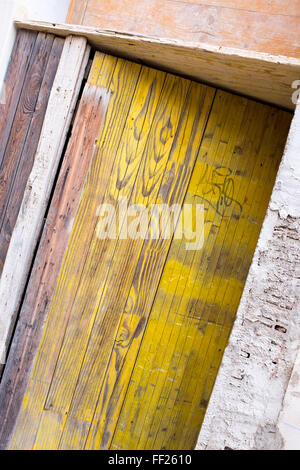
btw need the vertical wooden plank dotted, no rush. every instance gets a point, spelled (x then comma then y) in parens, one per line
(27, 229)
(85, 398)
(23, 117)
(14, 80)
(100, 76)
(137, 304)
(240, 243)
(120, 77)
(99, 283)
(122, 180)
(199, 292)
(222, 127)
(132, 345)
(19, 157)
(64, 205)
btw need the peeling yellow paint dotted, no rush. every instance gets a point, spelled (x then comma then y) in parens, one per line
(137, 328)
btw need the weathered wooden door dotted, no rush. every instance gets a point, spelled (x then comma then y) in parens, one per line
(135, 328)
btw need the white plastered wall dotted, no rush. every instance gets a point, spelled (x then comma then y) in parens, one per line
(43, 10)
(251, 406)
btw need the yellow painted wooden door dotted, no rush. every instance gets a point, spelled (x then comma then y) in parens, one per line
(136, 328)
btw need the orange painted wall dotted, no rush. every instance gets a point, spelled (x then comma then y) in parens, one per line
(271, 26)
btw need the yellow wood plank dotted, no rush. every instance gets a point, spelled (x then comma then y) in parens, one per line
(199, 292)
(83, 296)
(164, 119)
(165, 333)
(136, 329)
(141, 294)
(93, 277)
(167, 152)
(268, 157)
(97, 263)
(107, 73)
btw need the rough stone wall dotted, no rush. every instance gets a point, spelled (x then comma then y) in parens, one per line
(248, 395)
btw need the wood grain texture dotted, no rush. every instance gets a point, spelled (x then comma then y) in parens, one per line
(135, 329)
(27, 229)
(25, 133)
(145, 106)
(141, 285)
(127, 252)
(199, 291)
(70, 272)
(23, 117)
(258, 75)
(51, 250)
(14, 80)
(132, 256)
(271, 27)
